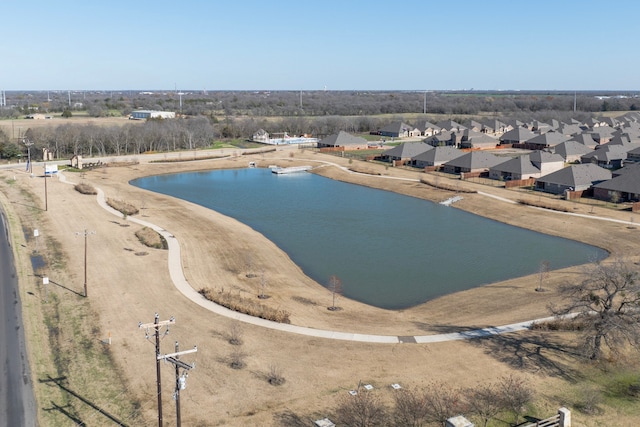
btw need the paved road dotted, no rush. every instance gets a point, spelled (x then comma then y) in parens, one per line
(17, 402)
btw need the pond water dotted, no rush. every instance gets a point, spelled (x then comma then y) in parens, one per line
(389, 250)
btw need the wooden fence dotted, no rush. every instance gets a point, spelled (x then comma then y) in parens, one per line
(520, 183)
(549, 422)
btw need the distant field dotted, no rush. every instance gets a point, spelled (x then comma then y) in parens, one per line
(16, 127)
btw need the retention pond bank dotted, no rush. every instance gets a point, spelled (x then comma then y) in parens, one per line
(389, 250)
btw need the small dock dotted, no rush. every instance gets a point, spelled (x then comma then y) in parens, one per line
(451, 200)
(289, 170)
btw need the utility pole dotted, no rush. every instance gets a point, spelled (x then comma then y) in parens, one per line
(156, 325)
(86, 234)
(28, 143)
(181, 380)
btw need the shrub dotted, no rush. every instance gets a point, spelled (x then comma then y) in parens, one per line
(125, 208)
(248, 306)
(85, 189)
(151, 238)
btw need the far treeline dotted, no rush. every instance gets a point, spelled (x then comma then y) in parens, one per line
(237, 115)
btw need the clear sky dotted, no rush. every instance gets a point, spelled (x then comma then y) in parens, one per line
(313, 45)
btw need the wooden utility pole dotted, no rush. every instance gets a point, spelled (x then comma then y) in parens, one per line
(156, 325)
(86, 234)
(181, 380)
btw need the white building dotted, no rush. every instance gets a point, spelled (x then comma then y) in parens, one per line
(149, 114)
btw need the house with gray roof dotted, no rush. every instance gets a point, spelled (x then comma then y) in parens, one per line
(585, 139)
(472, 162)
(450, 125)
(519, 135)
(571, 151)
(633, 155)
(624, 188)
(495, 127)
(427, 128)
(546, 140)
(399, 130)
(606, 156)
(343, 140)
(440, 139)
(547, 162)
(573, 178)
(436, 157)
(405, 151)
(516, 168)
(477, 140)
(602, 134)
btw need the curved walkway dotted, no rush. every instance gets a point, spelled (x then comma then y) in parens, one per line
(180, 282)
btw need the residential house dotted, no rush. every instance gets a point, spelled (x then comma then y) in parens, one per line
(440, 139)
(623, 188)
(519, 135)
(261, 135)
(633, 155)
(399, 130)
(476, 140)
(436, 157)
(606, 156)
(516, 168)
(495, 127)
(602, 134)
(344, 140)
(571, 151)
(585, 139)
(573, 178)
(472, 162)
(547, 162)
(405, 151)
(450, 125)
(545, 141)
(428, 128)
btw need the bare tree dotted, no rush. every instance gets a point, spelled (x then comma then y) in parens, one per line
(364, 409)
(410, 408)
(335, 286)
(484, 401)
(515, 394)
(442, 403)
(607, 303)
(543, 273)
(263, 286)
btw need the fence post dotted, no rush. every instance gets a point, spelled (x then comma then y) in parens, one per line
(565, 417)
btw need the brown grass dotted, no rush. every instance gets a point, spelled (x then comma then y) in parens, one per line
(151, 238)
(543, 204)
(85, 189)
(123, 207)
(244, 305)
(448, 187)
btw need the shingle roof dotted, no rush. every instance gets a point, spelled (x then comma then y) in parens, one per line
(439, 155)
(577, 175)
(628, 182)
(571, 148)
(476, 160)
(518, 134)
(342, 139)
(545, 157)
(520, 165)
(549, 139)
(407, 150)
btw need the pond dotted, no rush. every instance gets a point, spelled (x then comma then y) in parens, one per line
(389, 250)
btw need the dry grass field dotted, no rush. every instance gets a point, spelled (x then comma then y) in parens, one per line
(103, 361)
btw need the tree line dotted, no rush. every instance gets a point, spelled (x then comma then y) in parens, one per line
(315, 103)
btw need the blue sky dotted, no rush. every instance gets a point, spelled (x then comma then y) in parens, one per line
(312, 45)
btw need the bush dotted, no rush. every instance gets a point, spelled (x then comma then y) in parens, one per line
(151, 238)
(85, 189)
(248, 306)
(125, 208)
